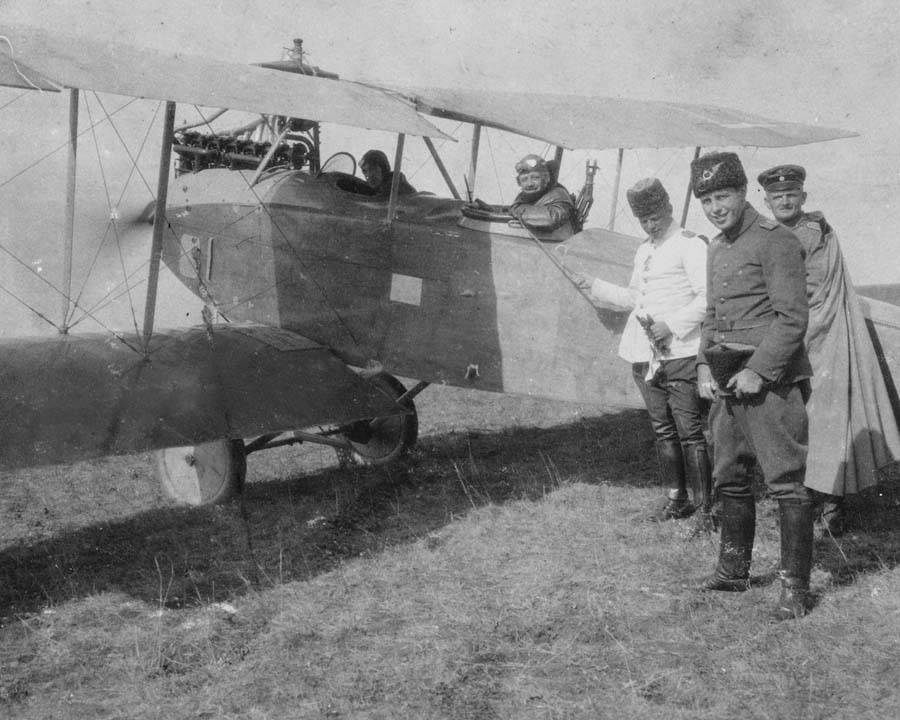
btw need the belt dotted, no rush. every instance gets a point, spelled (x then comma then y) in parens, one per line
(729, 325)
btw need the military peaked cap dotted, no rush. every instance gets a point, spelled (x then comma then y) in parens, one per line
(782, 177)
(716, 170)
(647, 197)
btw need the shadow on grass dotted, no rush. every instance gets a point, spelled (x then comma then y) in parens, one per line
(305, 524)
(295, 528)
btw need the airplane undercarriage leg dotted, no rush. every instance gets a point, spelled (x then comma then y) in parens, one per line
(214, 472)
(202, 474)
(379, 441)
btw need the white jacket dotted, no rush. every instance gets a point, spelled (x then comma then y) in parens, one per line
(668, 284)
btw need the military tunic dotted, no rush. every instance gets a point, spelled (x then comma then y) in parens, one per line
(756, 296)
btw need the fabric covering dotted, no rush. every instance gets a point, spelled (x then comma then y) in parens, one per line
(853, 428)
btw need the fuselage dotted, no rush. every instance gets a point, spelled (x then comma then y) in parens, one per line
(433, 293)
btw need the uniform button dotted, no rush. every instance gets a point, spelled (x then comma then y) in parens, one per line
(721, 299)
(725, 284)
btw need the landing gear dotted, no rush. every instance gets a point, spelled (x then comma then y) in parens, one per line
(379, 441)
(214, 472)
(202, 474)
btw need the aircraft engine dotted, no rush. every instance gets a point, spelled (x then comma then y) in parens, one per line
(196, 151)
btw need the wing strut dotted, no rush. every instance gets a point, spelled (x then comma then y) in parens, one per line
(687, 195)
(473, 163)
(440, 166)
(615, 194)
(69, 227)
(395, 180)
(159, 221)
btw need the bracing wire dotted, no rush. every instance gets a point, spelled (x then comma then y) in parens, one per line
(62, 146)
(112, 221)
(124, 188)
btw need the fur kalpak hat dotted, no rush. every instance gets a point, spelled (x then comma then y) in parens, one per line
(647, 196)
(716, 170)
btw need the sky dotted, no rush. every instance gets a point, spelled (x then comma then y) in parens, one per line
(811, 61)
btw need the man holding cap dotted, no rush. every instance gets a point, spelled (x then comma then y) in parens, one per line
(853, 431)
(667, 299)
(753, 365)
(542, 204)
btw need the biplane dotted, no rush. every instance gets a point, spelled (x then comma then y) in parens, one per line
(317, 295)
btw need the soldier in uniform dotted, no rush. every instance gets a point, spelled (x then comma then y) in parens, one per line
(542, 204)
(853, 431)
(753, 365)
(667, 299)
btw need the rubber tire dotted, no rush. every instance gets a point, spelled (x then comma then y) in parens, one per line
(206, 474)
(396, 434)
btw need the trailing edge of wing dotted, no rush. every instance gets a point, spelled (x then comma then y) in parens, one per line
(19, 75)
(80, 62)
(591, 122)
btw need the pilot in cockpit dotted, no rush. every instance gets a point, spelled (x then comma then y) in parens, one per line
(377, 171)
(542, 203)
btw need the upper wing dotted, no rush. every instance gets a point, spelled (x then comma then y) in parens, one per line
(591, 122)
(16, 74)
(80, 62)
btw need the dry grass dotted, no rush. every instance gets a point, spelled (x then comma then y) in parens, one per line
(500, 573)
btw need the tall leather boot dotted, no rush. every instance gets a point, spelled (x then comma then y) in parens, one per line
(671, 472)
(797, 518)
(738, 520)
(699, 478)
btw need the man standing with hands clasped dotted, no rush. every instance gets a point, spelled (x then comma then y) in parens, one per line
(753, 365)
(667, 299)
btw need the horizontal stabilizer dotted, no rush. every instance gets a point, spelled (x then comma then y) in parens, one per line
(76, 397)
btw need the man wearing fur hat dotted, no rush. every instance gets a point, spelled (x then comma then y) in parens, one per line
(753, 365)
(850, 398)
(667, 299)
(542, 204)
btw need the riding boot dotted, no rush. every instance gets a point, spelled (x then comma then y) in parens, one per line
(796, 557)
(699, 477)
(671, 471)
(738, 521)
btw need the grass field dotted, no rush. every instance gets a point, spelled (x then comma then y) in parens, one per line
(504, 571)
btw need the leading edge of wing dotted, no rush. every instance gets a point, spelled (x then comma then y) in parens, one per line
(81, 62)
(593, 122)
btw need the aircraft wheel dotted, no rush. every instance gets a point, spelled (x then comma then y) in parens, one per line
(202, 474)
(379, 441)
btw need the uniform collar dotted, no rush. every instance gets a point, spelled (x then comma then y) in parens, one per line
(748, 218)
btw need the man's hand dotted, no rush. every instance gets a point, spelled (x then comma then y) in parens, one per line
(706, 386)
(660, 333)
(746, 383)
(581, 280)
